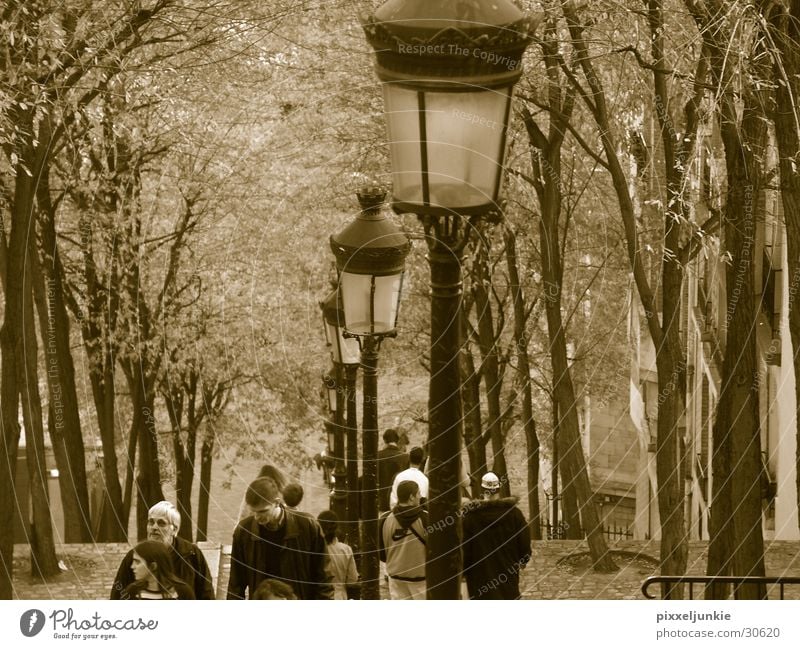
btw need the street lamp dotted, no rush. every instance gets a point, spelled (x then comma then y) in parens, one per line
(448, 70)
(346, 358)
(370, 257)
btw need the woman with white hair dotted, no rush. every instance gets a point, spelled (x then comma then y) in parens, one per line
(188, 562)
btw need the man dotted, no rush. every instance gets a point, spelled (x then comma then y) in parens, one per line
(391, 460)
(416, 459)
(401, 543)
(497, 543)
(277, 543)
(188, 562)
(292, 495)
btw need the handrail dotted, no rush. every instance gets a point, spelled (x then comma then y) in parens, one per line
(704, 579)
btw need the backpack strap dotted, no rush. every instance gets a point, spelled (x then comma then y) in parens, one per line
(417, 534)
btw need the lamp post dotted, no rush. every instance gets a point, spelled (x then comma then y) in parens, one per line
(345, 356)
(370, 257)
(448, 71)
(334, 429)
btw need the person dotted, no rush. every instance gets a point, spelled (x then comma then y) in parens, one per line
(292, 495)
(266, 471)
(341, 565)
(277, 543)
(274, 589)
(391, 460)
(401, 544)
(416, 458)
(153, 577)
(188, 562)
(497, 543)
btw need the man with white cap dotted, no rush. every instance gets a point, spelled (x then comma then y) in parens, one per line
(497, 543)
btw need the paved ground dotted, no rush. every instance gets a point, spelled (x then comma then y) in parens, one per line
(559, 570)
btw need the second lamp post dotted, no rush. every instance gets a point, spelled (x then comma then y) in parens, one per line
(370, 257)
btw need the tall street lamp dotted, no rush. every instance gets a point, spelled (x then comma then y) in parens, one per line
(370, 257)
(345, 356)
(448, 71)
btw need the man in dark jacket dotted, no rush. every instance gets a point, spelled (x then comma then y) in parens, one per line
(188, 562)
(277, 543)
(497, 543)
(391, 461)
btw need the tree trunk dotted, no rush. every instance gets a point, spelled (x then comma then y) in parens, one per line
(174, 399)
(567, 525)
(143, 425)
(490, 369)
(44, 562)
(9, 407)
(736, 542)
(63, 418)
(20, 357)
(206, 459)
(546, 161)
(13, 353)
(473, 430)
(97, 328)
(524, 385)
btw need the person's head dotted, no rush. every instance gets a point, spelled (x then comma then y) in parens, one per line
(152, 563)
(390, 436)
(292, 494)
(269, 471)
(274, 589)
(416, 457)
(408, 493)
(490, 486)
(264, 500)
(163, 521)
(328, 521)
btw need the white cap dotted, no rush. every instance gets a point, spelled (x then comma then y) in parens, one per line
(490, 481)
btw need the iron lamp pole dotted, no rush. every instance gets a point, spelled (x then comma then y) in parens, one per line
(346, 358)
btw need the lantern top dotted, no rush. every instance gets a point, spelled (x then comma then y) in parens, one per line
(371, 244)
(470, 41)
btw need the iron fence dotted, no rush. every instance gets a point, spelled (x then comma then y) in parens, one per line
(704, 580)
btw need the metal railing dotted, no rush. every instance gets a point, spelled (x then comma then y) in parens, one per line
(706, 580)
(559, 532)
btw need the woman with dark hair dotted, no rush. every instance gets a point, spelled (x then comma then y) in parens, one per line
(341, 565)
(153, 575)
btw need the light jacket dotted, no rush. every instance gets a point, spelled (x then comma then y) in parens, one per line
(401, 549)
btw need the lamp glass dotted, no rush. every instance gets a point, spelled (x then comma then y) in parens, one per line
(330, 388)
(447, 145)
(371, 302)
(330, 429)
(343, 350)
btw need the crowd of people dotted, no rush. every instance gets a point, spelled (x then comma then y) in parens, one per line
(281, 552)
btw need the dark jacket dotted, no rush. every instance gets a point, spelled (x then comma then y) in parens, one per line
(391, 461)
(188, 564)
(497, 545)
(302, 558)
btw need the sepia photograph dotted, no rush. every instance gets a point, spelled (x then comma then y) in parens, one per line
(422, 300)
